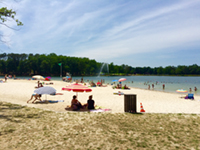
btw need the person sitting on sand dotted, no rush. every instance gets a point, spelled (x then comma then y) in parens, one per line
(188, 96)
(36, 96)
(75, 104)
(126, 87)
(90, 103)
(118, 87)
(39, 85)
(92, 84)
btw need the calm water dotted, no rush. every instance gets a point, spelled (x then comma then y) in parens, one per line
(172, 83)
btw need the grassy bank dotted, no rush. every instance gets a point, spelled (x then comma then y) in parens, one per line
(23, 127)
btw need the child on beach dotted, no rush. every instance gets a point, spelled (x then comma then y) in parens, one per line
(36, 96)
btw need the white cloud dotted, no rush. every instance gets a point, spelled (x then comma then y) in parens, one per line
(103, 30)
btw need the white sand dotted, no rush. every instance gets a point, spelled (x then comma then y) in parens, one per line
(19, 91)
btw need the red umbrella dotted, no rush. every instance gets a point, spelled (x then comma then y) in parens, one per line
(122, 79)
(98, 83)
(77, 88)
(46, 79)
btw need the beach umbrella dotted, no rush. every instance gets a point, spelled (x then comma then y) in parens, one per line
(122, 79)
(77, 88)
(181, 91)
(39, 77)
(114, 80)
(98, 83)
(47, 79)
(45, 90)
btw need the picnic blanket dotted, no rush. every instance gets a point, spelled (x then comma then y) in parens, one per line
(97, 109)
(50, 101)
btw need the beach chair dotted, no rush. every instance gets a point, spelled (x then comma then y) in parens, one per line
(190, 96)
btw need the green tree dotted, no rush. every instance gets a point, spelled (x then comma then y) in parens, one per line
(5, 15)
(160, 70)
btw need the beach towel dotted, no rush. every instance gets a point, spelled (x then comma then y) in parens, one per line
(190, 96)
(100, 110)
(97, 109)
(51, 101)
(118, 93)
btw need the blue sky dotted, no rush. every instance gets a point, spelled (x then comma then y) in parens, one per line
(133, 32)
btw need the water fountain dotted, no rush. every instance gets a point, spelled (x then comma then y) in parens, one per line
(103, 67)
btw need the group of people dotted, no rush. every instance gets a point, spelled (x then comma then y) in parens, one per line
(76, 105)
(149, 87)
(119, 86)
(195, 89)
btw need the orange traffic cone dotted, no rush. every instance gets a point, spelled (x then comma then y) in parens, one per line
(141, 108)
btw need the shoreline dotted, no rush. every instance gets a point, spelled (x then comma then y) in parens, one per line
(170, 86)
(19, 91)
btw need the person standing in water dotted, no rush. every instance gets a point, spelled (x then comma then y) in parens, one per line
(163, 86)
(195, 88)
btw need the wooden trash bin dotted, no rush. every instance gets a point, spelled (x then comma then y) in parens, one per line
(130, 103)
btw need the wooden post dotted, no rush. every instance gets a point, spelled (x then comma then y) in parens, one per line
(130, 103)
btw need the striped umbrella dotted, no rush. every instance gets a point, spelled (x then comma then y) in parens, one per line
(122, 79)
(77, 88)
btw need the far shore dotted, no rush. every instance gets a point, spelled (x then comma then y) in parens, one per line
(2, 76)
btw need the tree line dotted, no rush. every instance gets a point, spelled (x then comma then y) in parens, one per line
(53, 65)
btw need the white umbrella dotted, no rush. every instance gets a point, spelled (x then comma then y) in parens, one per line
(45, 90)
(39, 77)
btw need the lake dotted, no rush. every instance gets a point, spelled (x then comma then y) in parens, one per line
(172, 83)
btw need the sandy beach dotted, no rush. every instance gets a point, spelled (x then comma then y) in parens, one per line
(19, 91)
